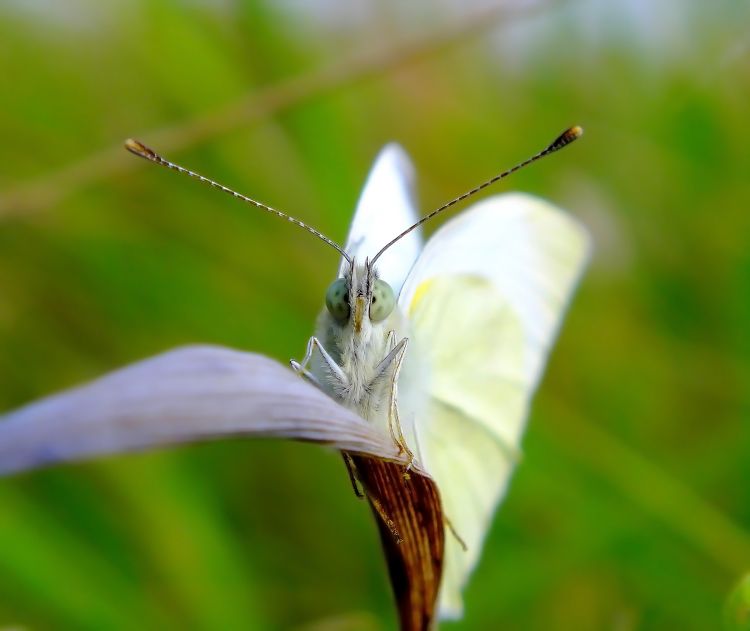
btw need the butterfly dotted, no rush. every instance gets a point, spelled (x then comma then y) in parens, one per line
(443, 343)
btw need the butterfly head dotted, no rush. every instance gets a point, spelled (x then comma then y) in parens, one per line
(360, 298)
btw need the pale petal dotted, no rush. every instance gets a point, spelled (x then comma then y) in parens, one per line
(190, 394)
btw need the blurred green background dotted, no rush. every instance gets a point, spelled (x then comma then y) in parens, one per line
(631, 507)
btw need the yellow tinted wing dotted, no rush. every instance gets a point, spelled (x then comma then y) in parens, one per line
(485, 299)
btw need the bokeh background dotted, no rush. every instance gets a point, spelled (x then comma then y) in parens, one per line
(631, 507)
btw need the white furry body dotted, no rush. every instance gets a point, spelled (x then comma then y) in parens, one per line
(367, 358)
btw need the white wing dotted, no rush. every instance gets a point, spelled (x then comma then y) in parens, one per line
(384, 210)
(485, 299)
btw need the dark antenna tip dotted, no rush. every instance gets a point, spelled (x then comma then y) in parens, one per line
(568, 136)
(563, 140)
(139, 149)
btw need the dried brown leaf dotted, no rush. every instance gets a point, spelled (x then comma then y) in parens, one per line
(409, 515)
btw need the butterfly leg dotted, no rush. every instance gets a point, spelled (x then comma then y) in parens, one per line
(393, 361)
(455, 534)
(301, 367)
(383, 514)
(390, 341)
(390, 344)
(393, 358)
(304, 372)
(351, 468)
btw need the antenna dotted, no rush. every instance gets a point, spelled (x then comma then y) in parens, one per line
(564, 139)
(142, 151)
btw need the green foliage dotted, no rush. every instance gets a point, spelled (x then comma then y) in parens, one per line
(737, 610)
(631, 506)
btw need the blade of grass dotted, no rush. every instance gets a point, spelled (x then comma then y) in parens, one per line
(178, 529)
(58, 576)
(653, 489)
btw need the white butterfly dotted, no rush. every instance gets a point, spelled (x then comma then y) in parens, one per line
(442, 344)
(453, 361)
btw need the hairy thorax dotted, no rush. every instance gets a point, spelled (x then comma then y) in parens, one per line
(359, 355)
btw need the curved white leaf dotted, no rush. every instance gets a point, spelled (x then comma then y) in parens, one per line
(189, 394)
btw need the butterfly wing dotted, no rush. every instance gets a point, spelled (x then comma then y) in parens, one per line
(385, 209)
(484, 299)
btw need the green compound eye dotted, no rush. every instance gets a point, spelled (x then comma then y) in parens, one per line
(382, 301)
(337, 300)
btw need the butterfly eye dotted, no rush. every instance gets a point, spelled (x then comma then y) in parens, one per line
(337, 300)
(382, 301)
